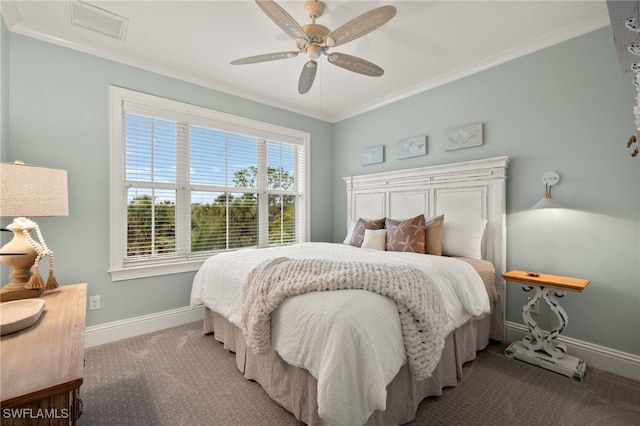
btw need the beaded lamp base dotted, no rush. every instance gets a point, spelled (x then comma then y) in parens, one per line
(19, 255)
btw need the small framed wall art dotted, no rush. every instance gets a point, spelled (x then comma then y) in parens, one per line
(412, 147)
(463, 137)
(372, 155)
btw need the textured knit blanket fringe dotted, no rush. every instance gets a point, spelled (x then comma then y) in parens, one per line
(419, 302)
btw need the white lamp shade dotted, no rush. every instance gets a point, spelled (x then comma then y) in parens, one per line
(27, 190)
(546, 203)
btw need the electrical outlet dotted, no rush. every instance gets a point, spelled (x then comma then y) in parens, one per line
(94, 302)
(535, 309)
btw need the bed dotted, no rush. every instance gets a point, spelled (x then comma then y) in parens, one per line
(342, 357)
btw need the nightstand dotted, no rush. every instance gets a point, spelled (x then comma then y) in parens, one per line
(43, 365)
(540, 347)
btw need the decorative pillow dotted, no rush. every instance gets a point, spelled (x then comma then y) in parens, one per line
(362, 225)
(406, 235)
(375, 239)
(347, 239)
(463, 238)
(433, 243)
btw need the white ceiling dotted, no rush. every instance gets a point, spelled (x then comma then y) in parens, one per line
(428, 43)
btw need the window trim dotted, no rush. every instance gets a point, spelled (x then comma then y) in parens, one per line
(196, 115)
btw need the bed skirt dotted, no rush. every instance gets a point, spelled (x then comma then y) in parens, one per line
(294, 388)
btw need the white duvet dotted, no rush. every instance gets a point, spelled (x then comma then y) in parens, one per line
(349, 340)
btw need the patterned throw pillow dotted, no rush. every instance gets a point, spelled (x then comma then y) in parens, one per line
(361, 225)
(406, 235)
(434, 235)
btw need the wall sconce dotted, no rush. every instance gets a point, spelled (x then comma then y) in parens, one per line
(548, 179)
(27, 190)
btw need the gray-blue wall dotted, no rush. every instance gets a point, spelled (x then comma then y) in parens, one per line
(567, 109)
(4, 89)
(4, 116)
(59, 117)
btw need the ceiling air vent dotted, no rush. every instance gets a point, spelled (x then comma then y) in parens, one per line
(99, 20)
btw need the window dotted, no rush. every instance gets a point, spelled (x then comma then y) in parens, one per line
(188, 182)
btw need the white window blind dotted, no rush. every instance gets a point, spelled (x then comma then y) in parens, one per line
(188, 182)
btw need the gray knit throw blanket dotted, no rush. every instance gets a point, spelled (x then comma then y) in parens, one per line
(419, 302)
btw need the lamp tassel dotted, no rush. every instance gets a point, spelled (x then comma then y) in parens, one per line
(35, 281)
(52, 283)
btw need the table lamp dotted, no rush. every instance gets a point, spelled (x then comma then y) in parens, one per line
(27, 190)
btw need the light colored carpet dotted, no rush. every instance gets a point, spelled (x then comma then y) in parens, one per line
(181, 377)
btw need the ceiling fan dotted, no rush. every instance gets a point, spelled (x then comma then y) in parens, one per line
(315, 39)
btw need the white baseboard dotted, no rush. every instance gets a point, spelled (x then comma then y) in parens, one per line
(600, 357)
(607, 359)
(110, 332)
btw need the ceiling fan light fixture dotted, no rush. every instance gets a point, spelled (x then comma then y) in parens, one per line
(314, 51)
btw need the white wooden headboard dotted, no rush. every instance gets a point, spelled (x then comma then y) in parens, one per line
(461, 191)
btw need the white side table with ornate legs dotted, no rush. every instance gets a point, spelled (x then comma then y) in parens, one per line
(540, 347)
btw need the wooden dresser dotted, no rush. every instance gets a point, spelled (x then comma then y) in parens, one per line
(42, 367)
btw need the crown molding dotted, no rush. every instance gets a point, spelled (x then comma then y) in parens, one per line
(567, 33)
(15, 24)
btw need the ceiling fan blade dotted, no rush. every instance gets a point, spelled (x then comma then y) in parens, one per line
(360, 26)
(264, 58)
(355, 64)
(282, 19)
(307, 76)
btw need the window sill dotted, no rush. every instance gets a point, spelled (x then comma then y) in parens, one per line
(144, 271)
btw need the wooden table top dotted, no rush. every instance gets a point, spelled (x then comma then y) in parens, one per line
(559, 281)
(48, 357)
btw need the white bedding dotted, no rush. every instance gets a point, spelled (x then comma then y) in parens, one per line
(349, 340)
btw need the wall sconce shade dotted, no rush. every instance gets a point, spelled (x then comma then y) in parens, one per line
(545, 203)
(548, 179)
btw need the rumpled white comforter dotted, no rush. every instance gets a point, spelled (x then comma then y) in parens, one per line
(349, 340)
